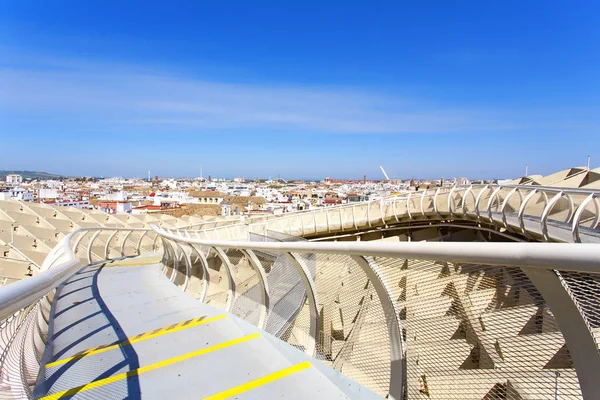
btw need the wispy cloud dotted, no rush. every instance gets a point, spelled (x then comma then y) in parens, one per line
(107, 95)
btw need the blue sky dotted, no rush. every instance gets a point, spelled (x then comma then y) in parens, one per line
(301, 89)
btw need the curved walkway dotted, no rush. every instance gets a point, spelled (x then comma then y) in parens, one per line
(121, 329)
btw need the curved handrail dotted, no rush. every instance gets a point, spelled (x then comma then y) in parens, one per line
(470, 194)
(542, 257)
(23, 293)
(565, 256)
(532, 258)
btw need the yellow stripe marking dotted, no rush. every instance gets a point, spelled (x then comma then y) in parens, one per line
(137, 338)
(147, 368)
(259, 382)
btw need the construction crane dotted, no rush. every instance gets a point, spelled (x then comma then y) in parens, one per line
(387, 178)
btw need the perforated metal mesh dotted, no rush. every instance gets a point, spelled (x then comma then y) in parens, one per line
(477, 332)
(469, 331)
(353, 335)
(20, 351)
(585, 290)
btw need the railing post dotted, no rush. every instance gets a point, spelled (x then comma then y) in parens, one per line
(154, 242)
(491, 201)
(205, 274)
(505, 204)
(579, 213)
(580, 342)
(546, 214)
(478, 199)
(464, 204)
(108, 244)
(231, 293)
(188, 267)
(123, 244)
(76, 245)
(169, 248)
(139, 243)
(450, 201)
(394, 326)
(90, 245)
(522, 212)
(265, 306)
(311, 294)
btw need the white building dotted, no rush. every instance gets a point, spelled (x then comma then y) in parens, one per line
(14, 179)
(85, 204)
(17, 194)
(226, 208)
(48, 194)
(117, 196)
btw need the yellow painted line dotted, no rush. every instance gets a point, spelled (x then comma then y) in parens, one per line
(234, 391)
(147, 368)
(138, 338)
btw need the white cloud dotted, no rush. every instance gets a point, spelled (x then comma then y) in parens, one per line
(101, 95)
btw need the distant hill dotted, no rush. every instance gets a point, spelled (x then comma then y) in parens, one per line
(30, 175)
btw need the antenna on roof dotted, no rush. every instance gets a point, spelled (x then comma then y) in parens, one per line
(526, 170)
(588, 162)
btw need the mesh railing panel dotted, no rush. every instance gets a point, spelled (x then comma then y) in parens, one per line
(477, 332)
(585, 290)
(353, 336)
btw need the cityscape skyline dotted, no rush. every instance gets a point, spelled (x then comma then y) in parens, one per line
(376, 175)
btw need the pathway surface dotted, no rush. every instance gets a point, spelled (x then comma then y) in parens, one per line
(123, 330)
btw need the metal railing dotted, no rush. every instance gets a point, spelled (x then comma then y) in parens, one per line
(414, 320)
(407, 320)
(25, 305)
(534, 212)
